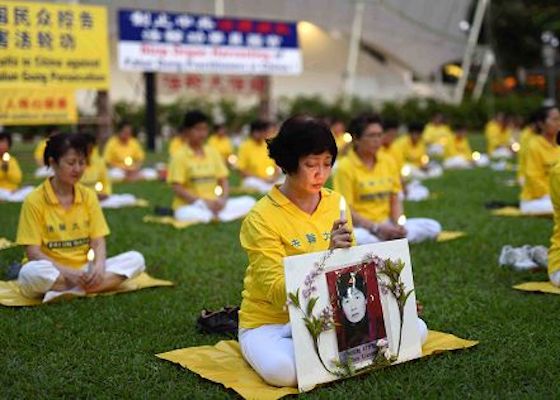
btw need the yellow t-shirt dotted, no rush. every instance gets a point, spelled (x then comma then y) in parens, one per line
(440, 134)
(554, 250)
(10, 179)
(540, 158)
(368, 190)
(496, 136)
(526, 135)
(276, 228)
(116, 151)
(175, 144)
(458, 147)
(197, 174)
(254, 160)
(63, 234)
(95, 175)
(409, 153)
(222, 144)
(394, 153)
(40, 151)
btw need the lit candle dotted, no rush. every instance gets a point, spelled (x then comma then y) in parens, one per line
(218, 190)
(515, 147)
(425, 159)
(405, 170)
(128, 161)
(476, 155)
(90, 258)
(6, 157)
(98, 187)
(342, 206)
(347, 137)
(270, 170)
(402, 220)
(232, 159)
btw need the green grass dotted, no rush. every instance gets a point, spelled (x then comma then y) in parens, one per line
(104, 347)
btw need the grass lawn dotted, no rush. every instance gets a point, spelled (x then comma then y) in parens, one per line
(104, 347)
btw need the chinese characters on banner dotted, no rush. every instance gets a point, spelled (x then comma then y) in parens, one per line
(155, 41)
(54, 45)
(228, 84)
(37, 107)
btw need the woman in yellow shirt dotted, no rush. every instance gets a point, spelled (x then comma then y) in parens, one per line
(10, 173)
(299, 216)
(370, 182)
(542, 154)
(60, 221)
(259, 171)
(412, 151)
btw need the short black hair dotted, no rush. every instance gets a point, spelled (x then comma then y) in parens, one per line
(415, 127)
(192, 118)
(89, 138)
(359, 124)
(390, 124)
(260, 125)
(300, 136)
(123, 123)
(6, 136)
(459, 126)
(541, 115)
(59, 143)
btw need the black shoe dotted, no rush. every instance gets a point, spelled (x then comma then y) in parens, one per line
(13, 271)
(163, 211)
(494, 204)
(223, 321)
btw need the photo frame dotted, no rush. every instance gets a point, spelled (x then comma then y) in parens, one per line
(351, 311)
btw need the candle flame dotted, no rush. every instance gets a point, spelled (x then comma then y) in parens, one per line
(347, 137)
(476, 155)
(515, 147)
(270, 171)
(90, 255)
(128, 161)
(425, 159)
(6, 157)
(218, 190)
(402, 220)
(98, 186)
(232, 159)
(406, 170)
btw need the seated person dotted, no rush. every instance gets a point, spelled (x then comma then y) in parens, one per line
(458, 153)
(124, 156)
(43, 170)
(412, 150)
(371, 184)
(542, 154)
(221, 142)
(554, 250)
(298, 216)
(59, 222)
(413, 190)
(258, 170)
(96, 177)
(10, 173)
(436, 134)
(498, 137)
(199, 178)
(527, 133)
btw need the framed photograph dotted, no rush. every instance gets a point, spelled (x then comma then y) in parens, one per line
(351, 310)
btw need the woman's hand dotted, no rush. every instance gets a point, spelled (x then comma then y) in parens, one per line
(341, 236)
(73, 277)
(94, 278)
(216, 205)
(389, 231)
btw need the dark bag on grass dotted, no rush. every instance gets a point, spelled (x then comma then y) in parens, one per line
(222, 321)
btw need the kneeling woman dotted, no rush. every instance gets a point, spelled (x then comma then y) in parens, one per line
(370, 182)
(60, 221)
(296, 217)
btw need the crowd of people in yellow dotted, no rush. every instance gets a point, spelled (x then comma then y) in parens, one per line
(373, 168)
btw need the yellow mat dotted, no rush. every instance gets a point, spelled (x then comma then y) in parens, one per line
(6, 244)
(514, 212)
(224, 364)
(446, 236)
(154, 219)
(10, 295)
(542, 287)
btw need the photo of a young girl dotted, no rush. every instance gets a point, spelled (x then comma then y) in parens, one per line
(354, 296)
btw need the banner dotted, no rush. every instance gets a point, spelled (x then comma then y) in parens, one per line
(54, 45)
(37, 107)
(154, 41)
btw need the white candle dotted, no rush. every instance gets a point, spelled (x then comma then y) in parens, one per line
(6, 157)
(402, 220)
(98, 186)
(90, 258)
(218, 190)
(270, 171)
(476, 155)
(342, 206)
(128, 161)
